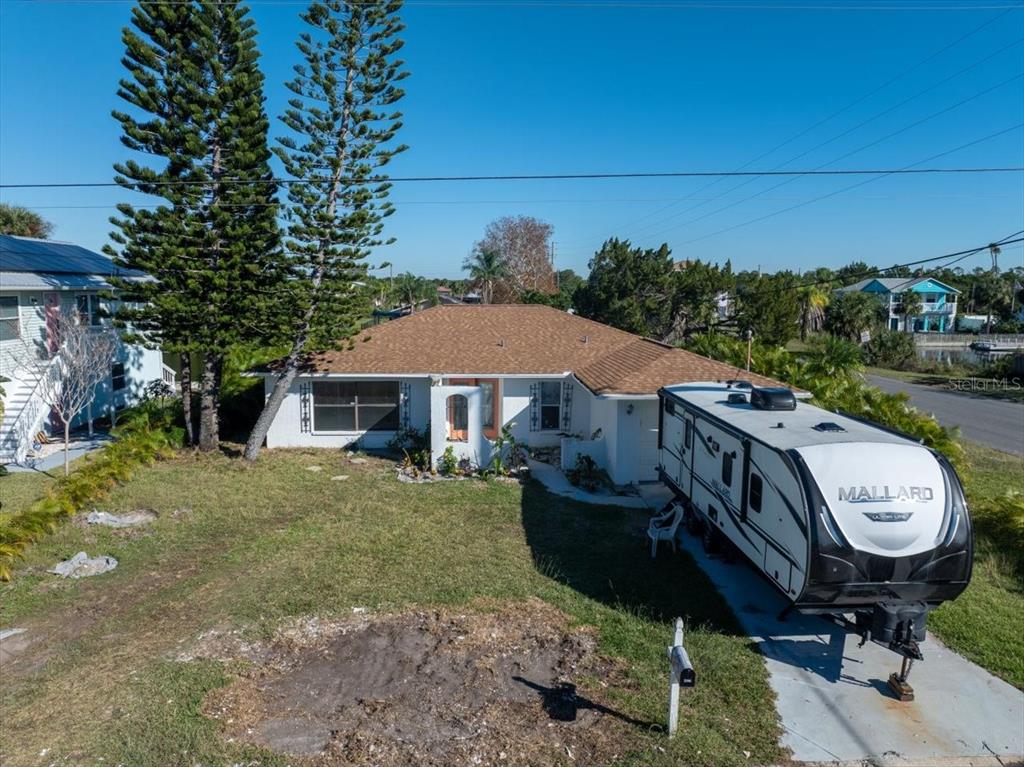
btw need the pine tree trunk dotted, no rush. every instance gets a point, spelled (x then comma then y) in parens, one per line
(209, 402)
(287, 376)
(186, 398)
(269, 413)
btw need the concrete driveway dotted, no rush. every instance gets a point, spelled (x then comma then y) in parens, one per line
(992, 422)
(833, 700)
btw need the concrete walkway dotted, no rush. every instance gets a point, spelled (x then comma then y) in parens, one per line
(992, 422)
(55, 460)
(649, 496)
(833, 700)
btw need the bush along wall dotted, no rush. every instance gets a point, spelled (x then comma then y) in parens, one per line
(143, 435)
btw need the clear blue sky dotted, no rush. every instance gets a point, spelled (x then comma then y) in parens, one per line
(502, 89)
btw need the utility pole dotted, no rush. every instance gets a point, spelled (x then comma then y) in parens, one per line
(552, 257)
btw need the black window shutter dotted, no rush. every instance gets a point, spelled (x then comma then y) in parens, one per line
(305, 421)
(404, 395)
(534, 406)
(566, 406)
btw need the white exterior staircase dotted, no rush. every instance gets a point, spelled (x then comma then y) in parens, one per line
(24, 412)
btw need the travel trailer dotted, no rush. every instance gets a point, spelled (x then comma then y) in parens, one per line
(844, 517)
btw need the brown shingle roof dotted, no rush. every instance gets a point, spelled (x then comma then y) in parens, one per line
(522, 339)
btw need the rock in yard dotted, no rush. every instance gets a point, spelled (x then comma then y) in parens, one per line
(339, 478)
(314, 468)
(82, 566)
(357, 459)
(131, 519)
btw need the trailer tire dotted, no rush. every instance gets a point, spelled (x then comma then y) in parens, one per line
(692, 521)
(710, 538)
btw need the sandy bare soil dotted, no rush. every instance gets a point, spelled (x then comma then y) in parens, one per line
(516, 686)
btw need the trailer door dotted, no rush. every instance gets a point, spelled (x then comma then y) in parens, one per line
(689, 442)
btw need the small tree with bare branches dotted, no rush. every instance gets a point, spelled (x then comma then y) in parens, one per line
(522, 244)
(82, 358)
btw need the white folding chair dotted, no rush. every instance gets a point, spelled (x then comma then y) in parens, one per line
(663, 527)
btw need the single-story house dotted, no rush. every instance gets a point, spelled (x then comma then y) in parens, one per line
(938, 302)
(39, 279)
(465, 371)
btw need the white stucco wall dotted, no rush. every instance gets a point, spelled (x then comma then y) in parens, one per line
(477, 449)
(286, 431)
(515, 409)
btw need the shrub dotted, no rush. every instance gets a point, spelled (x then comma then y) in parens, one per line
(509, 455)
(143, 435)
(587, 474)
(890, 349)
(414, 444)
(1001, 521)
(448, 463)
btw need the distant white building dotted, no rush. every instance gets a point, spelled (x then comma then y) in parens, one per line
(39, 279)
(938, 302)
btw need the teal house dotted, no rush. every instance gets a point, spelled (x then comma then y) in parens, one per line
(938, 302)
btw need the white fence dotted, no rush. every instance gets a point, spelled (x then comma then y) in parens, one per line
(966, 339)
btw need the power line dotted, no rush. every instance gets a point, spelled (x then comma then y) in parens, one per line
(544, 201)
(758, 219)
(850, 153)
(524, 177)
(828, 118)
(933, 5)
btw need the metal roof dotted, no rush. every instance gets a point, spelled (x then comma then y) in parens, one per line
(36, 281)
(895, 284)
(25, 254)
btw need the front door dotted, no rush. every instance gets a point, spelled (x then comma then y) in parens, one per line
(51, 304)
(648, 442)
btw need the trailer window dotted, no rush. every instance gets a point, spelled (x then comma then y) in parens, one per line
(688, 437)
(727, 469)
(756, 490)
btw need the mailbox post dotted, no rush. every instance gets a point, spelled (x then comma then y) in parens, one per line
(682, 675)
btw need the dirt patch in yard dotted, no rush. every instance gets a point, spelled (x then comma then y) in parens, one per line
(515, 686)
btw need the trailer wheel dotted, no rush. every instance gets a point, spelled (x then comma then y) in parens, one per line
(692, 521)
(710, 538)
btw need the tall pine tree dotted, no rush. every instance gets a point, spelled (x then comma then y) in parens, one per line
(343, 124)
(211, 248)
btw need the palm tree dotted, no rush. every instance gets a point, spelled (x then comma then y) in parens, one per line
(813, 301)
(909, 308)
(410, 289)
(486, 267)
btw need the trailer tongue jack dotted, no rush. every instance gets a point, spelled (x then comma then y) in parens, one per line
(898, 681)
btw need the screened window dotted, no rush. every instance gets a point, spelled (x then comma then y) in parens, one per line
(756, 491)
(550, 405)
(117, 377)
(355, 405)
(727, 469)
(88, 309)
(10, 319)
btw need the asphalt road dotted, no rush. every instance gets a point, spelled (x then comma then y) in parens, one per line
(992, 422)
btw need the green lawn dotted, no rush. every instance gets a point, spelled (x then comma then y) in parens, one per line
(246, 547)
(985, 623)
(19, 489)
